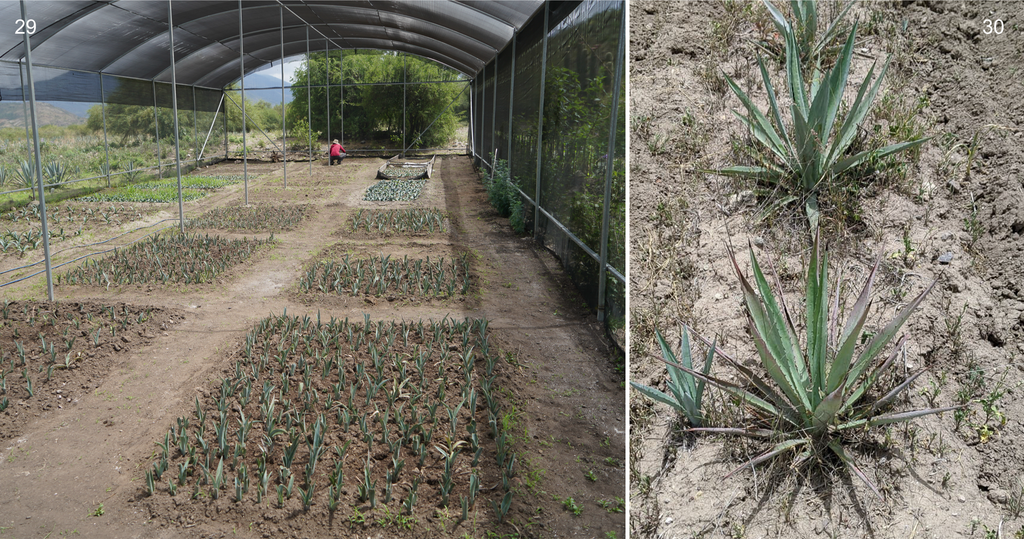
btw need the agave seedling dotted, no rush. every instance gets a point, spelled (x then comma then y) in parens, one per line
(814, 398)
(811, 150)
(687, 391)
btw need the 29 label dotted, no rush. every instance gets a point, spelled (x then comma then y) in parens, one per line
(25, 26)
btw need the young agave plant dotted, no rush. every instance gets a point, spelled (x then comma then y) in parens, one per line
(687, 391)
(814, 397)
(813, 148)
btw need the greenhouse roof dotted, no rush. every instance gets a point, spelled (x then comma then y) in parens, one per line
(129, 37)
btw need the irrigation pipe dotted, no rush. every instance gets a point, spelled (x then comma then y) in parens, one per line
(88, 245)
(88, 255)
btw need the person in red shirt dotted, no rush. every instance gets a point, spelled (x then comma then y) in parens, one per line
(337, 152)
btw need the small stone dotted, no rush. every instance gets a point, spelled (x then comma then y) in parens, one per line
(758, 241)
(945, 258)
(961, 498)
(667, 520)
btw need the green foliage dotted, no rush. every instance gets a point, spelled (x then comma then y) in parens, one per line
(811, 46)
(812, 150)
(380, 275)
(301, 136)
(503, 192)
(429, 220)
(375, 111)
(252, 218)
(188, 259)
(817, 397)
(395, 190)
(686, 391)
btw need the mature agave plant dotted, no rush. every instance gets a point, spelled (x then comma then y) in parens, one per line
(818, 393)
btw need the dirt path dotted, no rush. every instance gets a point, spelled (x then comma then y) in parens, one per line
(567, 398)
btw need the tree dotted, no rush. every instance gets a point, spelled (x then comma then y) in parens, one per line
(374, 110)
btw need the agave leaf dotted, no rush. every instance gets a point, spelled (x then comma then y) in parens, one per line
(749, 432)
(870, 379)
(777, 400)
(886, 151)
(779, 449)
(817, 323)
(774, 105)
(826, 411)
(737, 392)
(707, 368)
(892, 394)
(837, 448)
(830, 94)
(785, 349)
(656, 395)
(885, 335)
(759, 126)
(906, 416)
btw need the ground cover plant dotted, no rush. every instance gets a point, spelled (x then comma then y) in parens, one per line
(383, 275)
(177, 258)
(252, 218)
(408, 221)
(395, 190)
(46, 349)
(370, 422)
(163, 194)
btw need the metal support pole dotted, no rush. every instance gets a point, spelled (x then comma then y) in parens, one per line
(494, 112)
(174, 107)
(540, 125)
(612, 128)
(405, 73)
(511, 94)
(195, 127)
(213, 123)
(103, 108)
(472, 119)
(309, 104)
(341, 92)
(327, 69)
(284, 134)
(24, 110)
(245, 148)
(39, 162)
(156, 122)
(226, 141)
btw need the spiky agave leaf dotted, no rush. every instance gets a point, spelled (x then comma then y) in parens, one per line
(687, 391)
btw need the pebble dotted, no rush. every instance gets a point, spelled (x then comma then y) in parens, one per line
(667, 520)
(945, 258)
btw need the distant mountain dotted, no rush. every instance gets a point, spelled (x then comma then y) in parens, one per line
(78, 109)
(13, 115)
(266, 81)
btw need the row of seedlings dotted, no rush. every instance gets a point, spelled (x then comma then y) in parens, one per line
(179, 258)
(44, 341)
(379, 275)
(401, 411)
(252, 218)
(431, 220)
(395, 190)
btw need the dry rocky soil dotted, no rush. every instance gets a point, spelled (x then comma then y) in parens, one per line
(114, 367)
(954, 213)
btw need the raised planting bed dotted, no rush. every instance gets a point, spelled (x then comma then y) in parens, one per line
(252, 218)
(394, 190)
(164, 258)
(49, 352)
(410, 221)
(372, 422)
(398, 170)
(383, 276)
